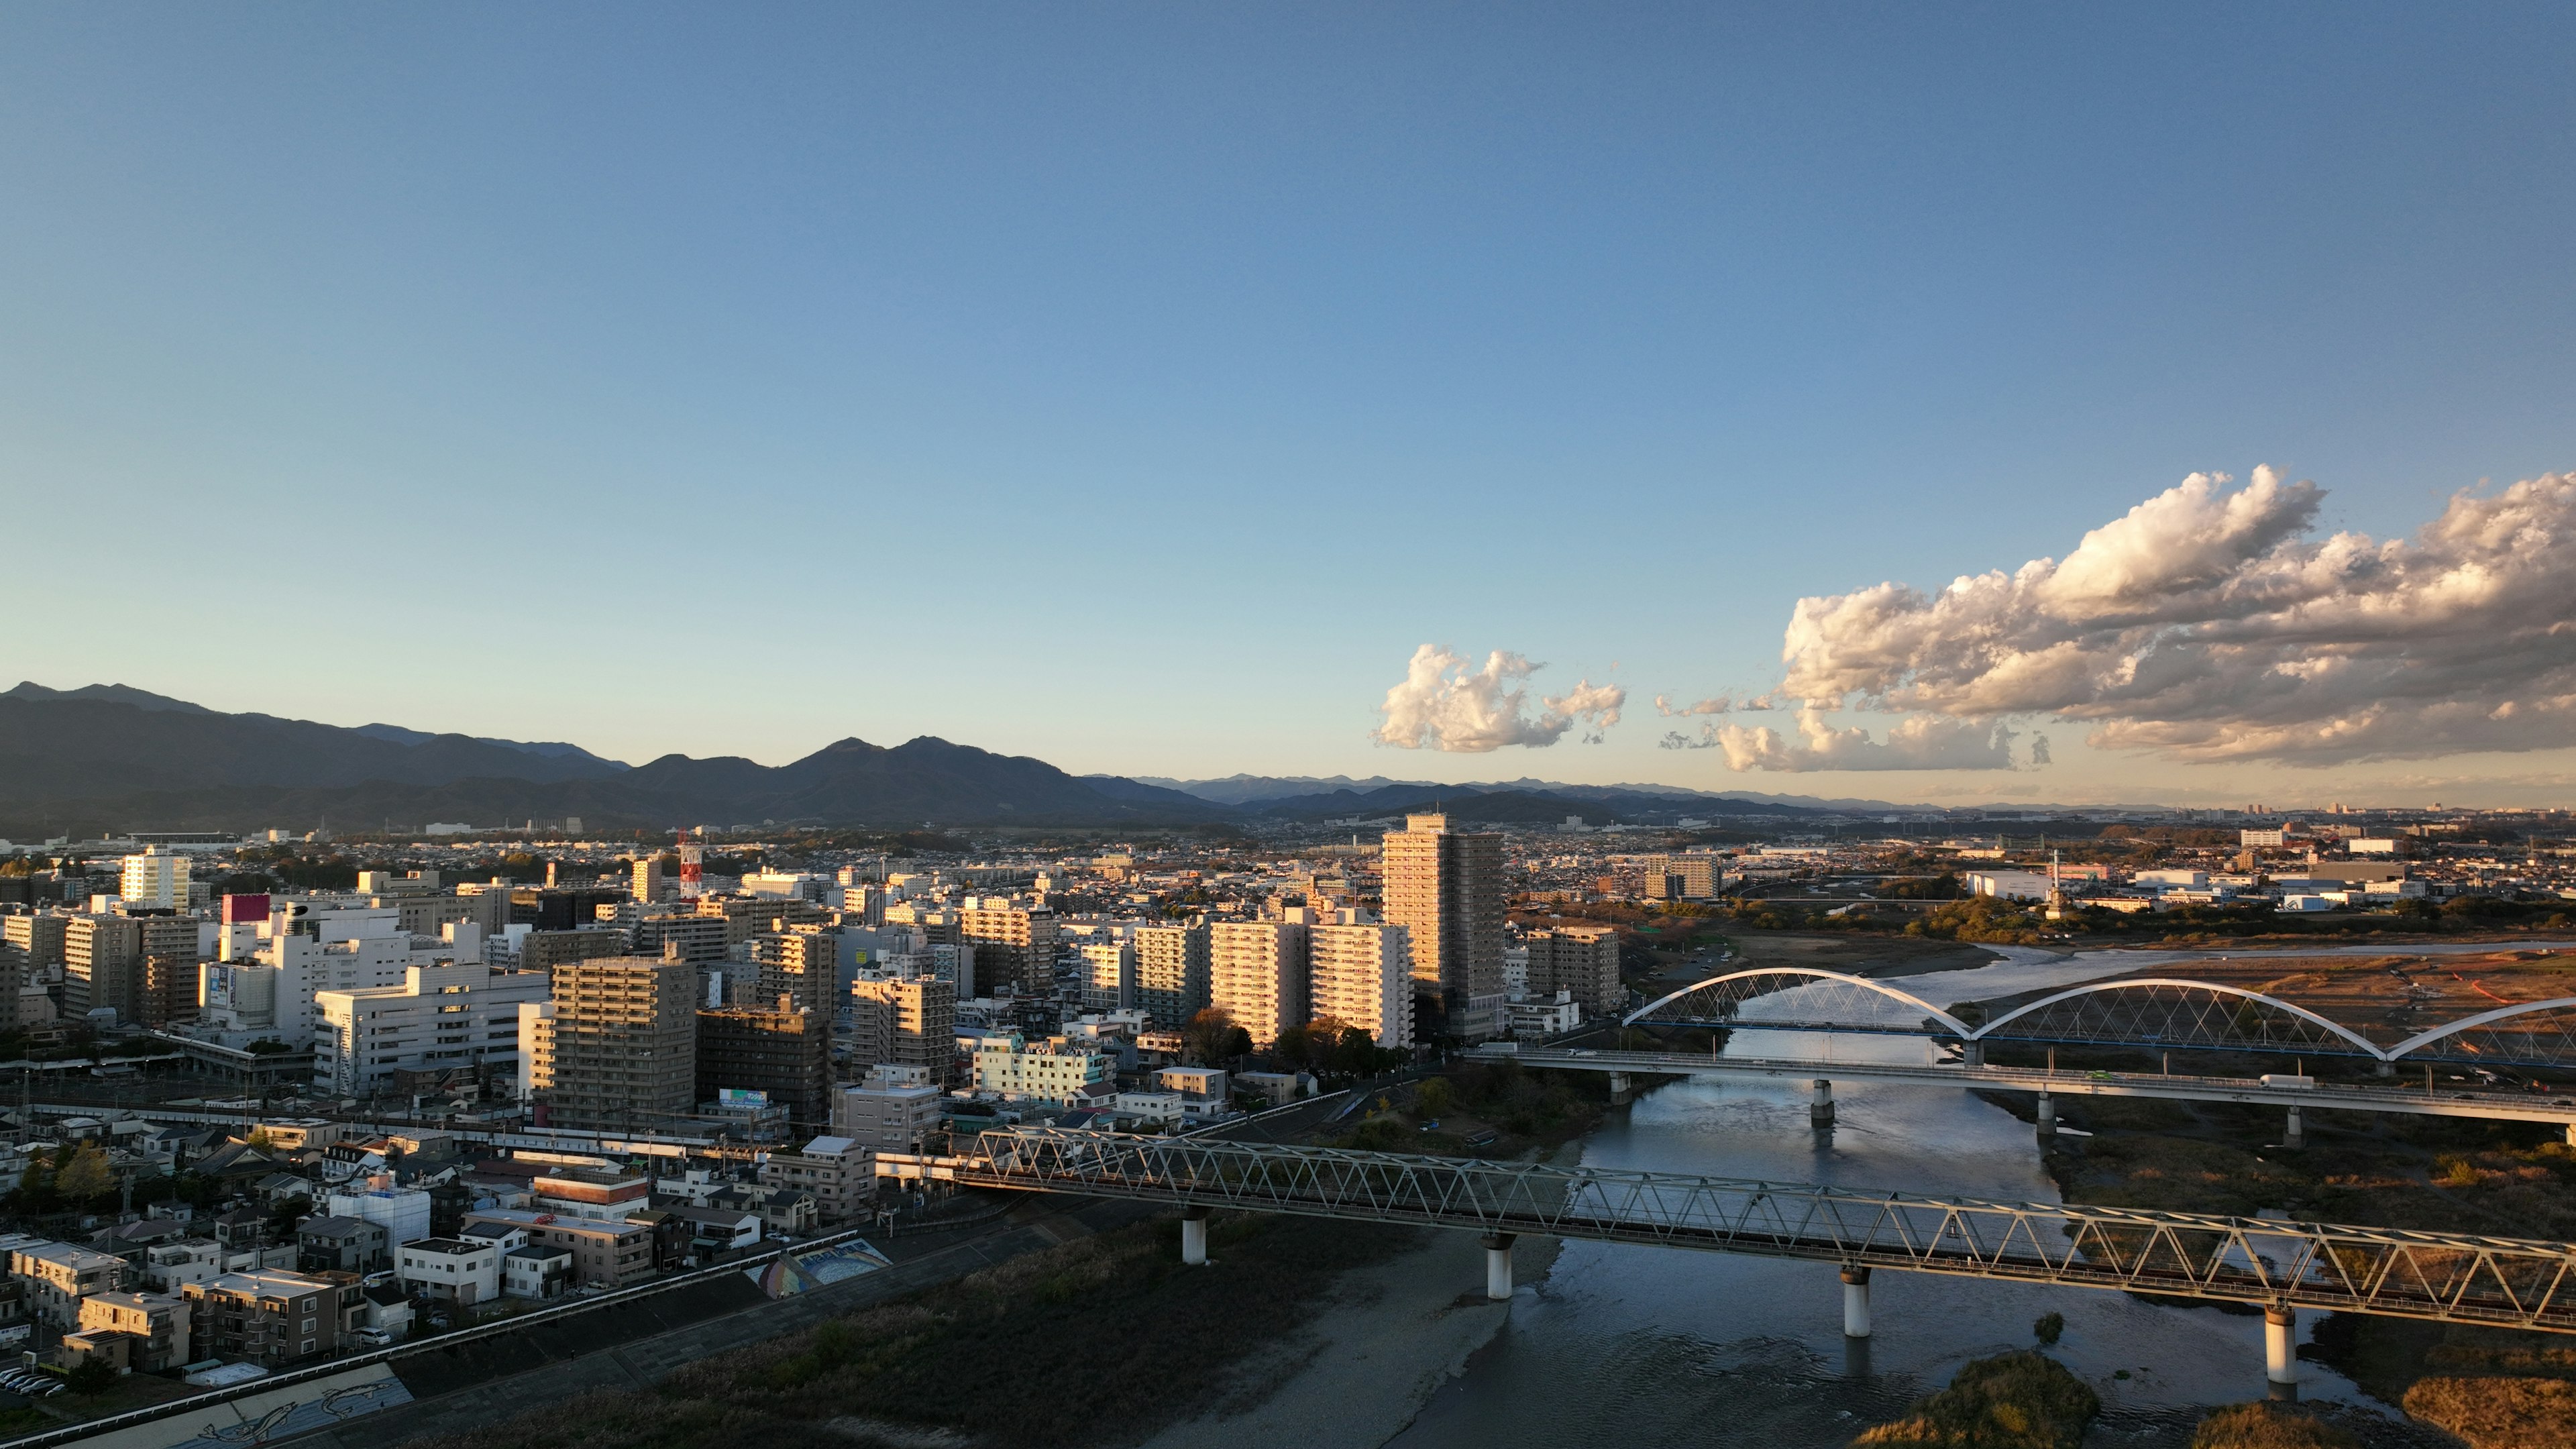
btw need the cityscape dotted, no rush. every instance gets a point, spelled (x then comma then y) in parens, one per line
(1158, 728)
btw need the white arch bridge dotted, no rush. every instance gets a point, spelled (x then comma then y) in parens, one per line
(2156, 1013)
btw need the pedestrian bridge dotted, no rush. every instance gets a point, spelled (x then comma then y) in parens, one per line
(2147, 1013)
(2282, 1266)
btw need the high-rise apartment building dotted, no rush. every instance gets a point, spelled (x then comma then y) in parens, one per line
(784, 1054)
(39, 938)
(1108, 976)
(1445, 887)
(157, 880)
(649, 885)
(802, 964)
(907, 1022)
(1257, 974)
(1012, 943)
(103, 966)
(1172, 973)
(165, 980)
(616, 1045)
(1362, 976)
(1582, 960)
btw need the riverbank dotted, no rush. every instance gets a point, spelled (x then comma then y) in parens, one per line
(1358, 1373)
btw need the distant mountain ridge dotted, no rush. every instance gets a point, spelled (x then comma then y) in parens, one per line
(152, 761)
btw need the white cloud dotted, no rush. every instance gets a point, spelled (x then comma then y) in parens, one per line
(1721, 704)
(1922, 742)
(1444, 705)
(2209, 624)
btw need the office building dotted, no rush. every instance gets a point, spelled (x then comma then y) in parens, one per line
(648, 884)
(785, 1055)
(1012, 944)
(616, 1046)
(1582, 961)
(907, 1022)
(1171, 973)
(154, 880)
(440, 1018)
(1257, 974)
(1362, 976)
(1445, 887)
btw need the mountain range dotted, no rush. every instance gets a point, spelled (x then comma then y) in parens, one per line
(111, 756)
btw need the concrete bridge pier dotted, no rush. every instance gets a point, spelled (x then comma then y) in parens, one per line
(1498, 1266)
(1855, 1303)
(1619, 1089)
(2047, 1115)
(1972, 1054)
(2384, 1069)
(2280, 1352)
(1820, 1115)
(2296, 1137)
(1194, 1236)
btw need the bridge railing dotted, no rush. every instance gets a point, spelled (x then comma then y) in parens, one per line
(2449, 1277)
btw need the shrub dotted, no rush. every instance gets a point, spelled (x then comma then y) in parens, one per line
(2268, 1426)
(2011, 1401)
(2049, 1328)
(2499, 1413)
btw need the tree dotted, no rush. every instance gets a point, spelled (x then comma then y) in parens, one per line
(91, 1376)
(87, 1176)
(1435, 1097)
(1208, 1035)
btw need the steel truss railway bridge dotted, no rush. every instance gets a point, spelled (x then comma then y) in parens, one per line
(2280, 1266)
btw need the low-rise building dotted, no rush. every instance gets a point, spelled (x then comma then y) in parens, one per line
(156, 1323)
(270, 1319)
(458, 1270)
(59, 1276)
(536, 1272)
(839, 1172)
(340, 1245)
(1054, 1072)
(612, 1254)
(895, 1110)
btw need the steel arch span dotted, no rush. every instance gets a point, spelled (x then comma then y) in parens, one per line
(1827, 1001)
(2505, 1036)
(2165, 1011)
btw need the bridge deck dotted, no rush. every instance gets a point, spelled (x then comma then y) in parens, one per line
(2398, 1096)
(2449, 1277)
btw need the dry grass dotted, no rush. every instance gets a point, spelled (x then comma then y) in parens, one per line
(2011, 1401)
(2268, 1426)
(2510, 1413)
(1071, 1345)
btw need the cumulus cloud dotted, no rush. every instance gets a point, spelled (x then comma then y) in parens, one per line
(2211, 624)
(1444, 705)
(1922, 742)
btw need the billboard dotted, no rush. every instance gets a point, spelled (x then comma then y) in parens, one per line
(740, 1097)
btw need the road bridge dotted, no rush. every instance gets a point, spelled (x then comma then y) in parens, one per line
(2280, 1266)
(2051, 1083)
(2151, 1013)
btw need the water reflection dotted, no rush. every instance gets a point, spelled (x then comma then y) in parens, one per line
(1636, 1346)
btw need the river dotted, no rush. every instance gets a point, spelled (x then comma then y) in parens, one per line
(1640, 1347)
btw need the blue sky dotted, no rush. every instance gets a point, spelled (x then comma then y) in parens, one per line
(1139, 386)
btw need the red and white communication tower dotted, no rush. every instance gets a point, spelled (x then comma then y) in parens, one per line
(693, 865)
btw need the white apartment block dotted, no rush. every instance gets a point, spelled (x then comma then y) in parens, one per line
(155, 879)
(439, 1017)
(894, 1110)
(1054, 1071)
(1362, 975)
(1257, 974)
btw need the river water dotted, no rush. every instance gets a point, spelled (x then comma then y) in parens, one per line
(1639, 1347)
